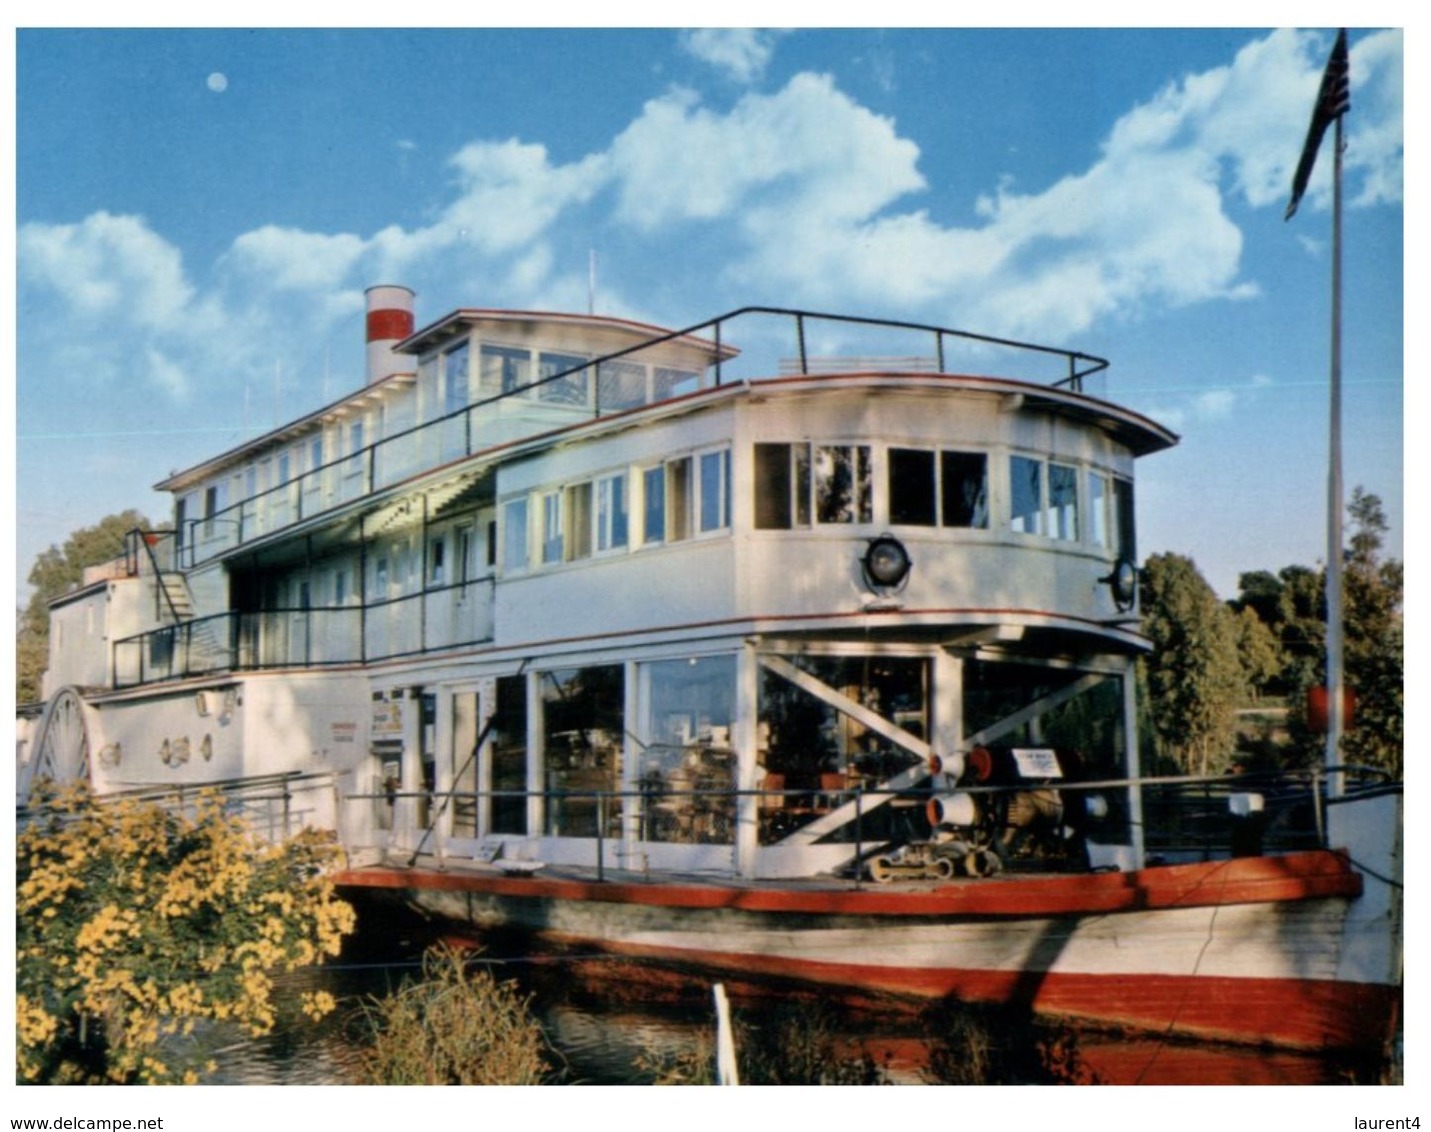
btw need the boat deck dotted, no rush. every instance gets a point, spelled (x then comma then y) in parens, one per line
(1243, 880)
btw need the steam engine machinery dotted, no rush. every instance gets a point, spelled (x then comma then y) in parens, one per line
(1004, 807)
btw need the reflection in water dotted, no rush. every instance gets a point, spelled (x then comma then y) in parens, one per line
(609, 1021)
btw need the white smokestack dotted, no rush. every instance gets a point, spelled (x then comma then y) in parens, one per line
(389, 322)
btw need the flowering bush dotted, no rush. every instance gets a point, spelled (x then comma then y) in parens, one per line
(133, 922)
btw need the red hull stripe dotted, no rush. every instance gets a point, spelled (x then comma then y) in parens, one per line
(1248, 880)
(1309, 1014)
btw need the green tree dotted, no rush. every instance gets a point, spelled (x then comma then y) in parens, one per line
(55, 572)
(1374, 645)
(1194, 676)
(134, 922)
(1258, 650)
(1293, 605)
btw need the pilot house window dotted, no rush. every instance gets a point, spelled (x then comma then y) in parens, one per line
(950, 488)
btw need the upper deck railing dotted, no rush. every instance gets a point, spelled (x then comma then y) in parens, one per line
(777, 344)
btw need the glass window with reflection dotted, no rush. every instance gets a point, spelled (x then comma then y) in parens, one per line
(688, 766)
(569, 389)
(964, 489)
(1062, 516)
(782, 486)
(578, 521)
(583, 728)
(620, 385)
(553, 533)
(1099, 495)
(842, 484)
(653, 510)
(456, 364)
(505, 369)
(514, 535)
(611, 512)
(1025, 494)
(715, 490)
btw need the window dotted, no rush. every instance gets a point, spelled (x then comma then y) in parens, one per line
(404, 568)
(964, 489)
(1123, 510)
(315, 453)
(583, 728)
(552, 531)
(678, 499)
(715, 490)
(842, 484)
(427, 388)
(456, 363)
(181, 510)
(462, 553)
(215, 500)
(578, 521)
(1025, 494)
(504, 370)
(959, 496)
(653, 483)
(514, 535)
(568, 390)
(436, 561)
(911, 487)
(1062, 517)
(509, 756)
(1099, 494)
(355, 447)
(773, 481)
(620, 385)
(611, 512)
(674, 382)
(285, 468)
(380, 578)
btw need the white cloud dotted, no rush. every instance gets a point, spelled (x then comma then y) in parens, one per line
(105, 263)
(1215, 404)
(805, 194)
(742, 53)
(808, 149)
(291, 260)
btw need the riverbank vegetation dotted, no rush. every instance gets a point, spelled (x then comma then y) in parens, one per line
(135, 922)
(1228, 684)
(456, 1025)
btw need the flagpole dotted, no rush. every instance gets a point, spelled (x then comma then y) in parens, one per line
(1335, 679)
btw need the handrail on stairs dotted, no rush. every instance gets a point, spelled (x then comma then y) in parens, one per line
(138, 538)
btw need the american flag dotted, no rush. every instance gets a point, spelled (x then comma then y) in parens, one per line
(1333, 100)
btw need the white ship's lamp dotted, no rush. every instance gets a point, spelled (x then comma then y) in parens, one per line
(1123, 582)
(886, 564)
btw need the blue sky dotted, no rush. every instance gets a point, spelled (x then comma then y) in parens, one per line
(199, 213)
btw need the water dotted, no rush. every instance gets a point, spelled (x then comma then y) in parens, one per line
(612, 1021)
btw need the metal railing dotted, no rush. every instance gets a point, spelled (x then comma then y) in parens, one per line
(600, 387)
(312, 637)
(1185, 817)
(272, 806)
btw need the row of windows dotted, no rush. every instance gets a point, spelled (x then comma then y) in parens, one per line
(445, 379)
(445, 385)
(803, 485)
(662, 503)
